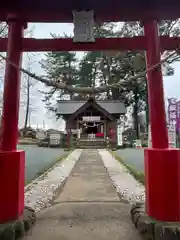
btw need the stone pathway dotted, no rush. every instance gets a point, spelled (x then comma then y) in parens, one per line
(88, 181)
(88, 208)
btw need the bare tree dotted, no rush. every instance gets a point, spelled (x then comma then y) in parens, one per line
(26, 87)
(31, 110)
(26, 92)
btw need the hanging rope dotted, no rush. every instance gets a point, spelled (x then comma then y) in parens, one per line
(90, 126)
(90, 90)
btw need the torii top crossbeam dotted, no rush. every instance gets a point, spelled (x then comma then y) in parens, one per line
(114, 10)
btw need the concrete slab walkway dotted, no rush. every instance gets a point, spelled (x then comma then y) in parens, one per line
(88, 208)
(89, 181)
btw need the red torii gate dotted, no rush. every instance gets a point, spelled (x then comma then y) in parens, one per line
(161, 163)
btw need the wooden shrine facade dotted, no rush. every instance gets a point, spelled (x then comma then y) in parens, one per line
(91, 119)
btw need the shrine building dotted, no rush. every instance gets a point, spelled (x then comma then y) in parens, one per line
(92, 120)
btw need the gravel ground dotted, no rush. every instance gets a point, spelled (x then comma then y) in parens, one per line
(41, 192)
(132, 157)
(38, 159)
(126, 186)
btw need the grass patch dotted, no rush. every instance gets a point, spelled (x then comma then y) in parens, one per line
(48, 168)
(139, 176)
(27, 143)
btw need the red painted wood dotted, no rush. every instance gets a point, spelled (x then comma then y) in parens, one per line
(161, 164)
(155, 88)
(12, 165)
(101, 44)
(162, 183)
(12, 89)
(110, 12)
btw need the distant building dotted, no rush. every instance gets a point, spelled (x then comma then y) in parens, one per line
(54, 131)
(27, 132)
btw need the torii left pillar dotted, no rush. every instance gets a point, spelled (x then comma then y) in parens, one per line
(12, 162)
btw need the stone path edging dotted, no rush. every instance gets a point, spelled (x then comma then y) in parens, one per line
(16, 229)
(128, 188)
(43, 190)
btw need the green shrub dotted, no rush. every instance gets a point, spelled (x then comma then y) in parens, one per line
(144, 145)
(63, 141)
(113, 149)
(120, 147)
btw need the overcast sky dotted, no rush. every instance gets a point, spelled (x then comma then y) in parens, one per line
(171, 84)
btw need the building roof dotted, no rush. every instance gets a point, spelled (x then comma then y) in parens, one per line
(67, 107)
(51, 130)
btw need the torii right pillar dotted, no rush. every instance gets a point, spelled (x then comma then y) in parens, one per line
(162, 164)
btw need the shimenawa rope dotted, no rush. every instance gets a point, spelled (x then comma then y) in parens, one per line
(120, 84)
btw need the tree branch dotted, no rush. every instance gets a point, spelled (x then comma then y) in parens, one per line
(89, 90)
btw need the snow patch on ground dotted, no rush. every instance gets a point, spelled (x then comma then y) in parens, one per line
(126, 186)
(41, 192)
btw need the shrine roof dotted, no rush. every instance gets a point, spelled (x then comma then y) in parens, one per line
(106, 10)
(67, 107)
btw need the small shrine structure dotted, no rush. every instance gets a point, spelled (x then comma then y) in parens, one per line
(92, 121)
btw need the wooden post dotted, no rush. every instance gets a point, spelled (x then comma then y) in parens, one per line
(161, 164)
(12, 161)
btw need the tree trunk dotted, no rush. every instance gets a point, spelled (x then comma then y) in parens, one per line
(70, 78)
(105, 80)
(109, 62)
(94, 75)
(135, 113)
(27, 105)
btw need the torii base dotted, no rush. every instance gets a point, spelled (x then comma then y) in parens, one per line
(150, 228)
(162, 184)
(12, 168)
(16, 229)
